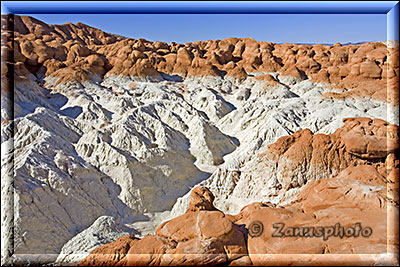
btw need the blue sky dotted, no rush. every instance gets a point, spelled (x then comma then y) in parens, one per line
(278, 28)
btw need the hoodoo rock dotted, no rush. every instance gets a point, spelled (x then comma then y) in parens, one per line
(201, 198)
(361, 141)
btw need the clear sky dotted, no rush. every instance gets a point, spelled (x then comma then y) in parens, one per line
(278, 28)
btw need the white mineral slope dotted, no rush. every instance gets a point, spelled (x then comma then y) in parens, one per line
(124, 147)
(7, 199)
(149, 144)
(82, 151)
(261, 120)
(56, 192)
(104, 230)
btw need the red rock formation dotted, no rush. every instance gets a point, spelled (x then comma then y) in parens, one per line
(361, 141)
(209, 237)
(112, 254)
(323, 203)
(363, 195)
(352, 213)
(201, 236)
(367, 70)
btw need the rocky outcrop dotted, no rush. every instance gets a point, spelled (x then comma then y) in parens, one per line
(112, 254)
(362, 148)
(104, 230)
(202, 236)
(359, 142)
(77, 52)
(352, 213)
(329, 216)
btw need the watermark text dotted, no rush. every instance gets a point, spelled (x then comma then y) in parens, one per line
(324, 232)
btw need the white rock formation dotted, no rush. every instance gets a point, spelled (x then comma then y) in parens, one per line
(103, 147)
(104, 230)
(81, 151)
(260, 121)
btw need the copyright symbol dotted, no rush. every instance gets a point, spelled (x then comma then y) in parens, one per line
(256, 228)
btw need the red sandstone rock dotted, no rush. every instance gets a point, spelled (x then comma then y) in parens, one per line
(202, 236)
(359, 197)
(368, 70)
(361, 141)
(112, 254)
(201, 199)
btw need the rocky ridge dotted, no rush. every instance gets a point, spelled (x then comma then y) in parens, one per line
(364, 189)
(77, 52)
(107, 125)
(362, 149)
(203, 235)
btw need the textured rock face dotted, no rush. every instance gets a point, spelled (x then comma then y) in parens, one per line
(202, 236)
(104, 230)
(112, 254)
(324, 203)
(361, 149)
(351, 216)
(104, 125)
(73, 52)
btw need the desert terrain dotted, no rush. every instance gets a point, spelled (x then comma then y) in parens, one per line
(121, 151)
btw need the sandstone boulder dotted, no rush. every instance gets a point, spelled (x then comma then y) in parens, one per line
(202, 236)
(112, 254)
